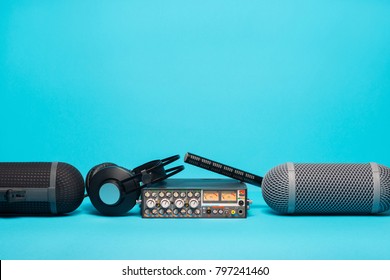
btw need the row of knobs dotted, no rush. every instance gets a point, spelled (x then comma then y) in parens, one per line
(175, 194)
(174, 211)
(165, 203)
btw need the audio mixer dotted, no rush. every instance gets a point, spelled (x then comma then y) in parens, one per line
(195, 198)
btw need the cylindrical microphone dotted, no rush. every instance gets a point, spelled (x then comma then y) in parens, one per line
(295, 188)
(223, 169)
(40, 188)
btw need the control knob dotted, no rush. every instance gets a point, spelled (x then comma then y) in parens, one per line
(194, 203)
(165, 203)
(150, 203)
(179, 203)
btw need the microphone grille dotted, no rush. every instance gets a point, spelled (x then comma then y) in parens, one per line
(275, 188)
(385, 188)
(334, 188)
(69, 188)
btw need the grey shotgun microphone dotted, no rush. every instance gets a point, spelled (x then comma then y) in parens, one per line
(302, 188)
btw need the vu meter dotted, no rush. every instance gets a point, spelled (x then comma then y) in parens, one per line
(229, 196)
(210, 196)
(195, 198)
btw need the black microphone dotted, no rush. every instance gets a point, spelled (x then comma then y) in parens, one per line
(40, 188)
(223, 169)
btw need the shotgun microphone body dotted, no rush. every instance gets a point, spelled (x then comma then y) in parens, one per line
(40, 188)
(299, 188)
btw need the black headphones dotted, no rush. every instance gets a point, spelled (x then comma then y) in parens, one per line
(114, 190)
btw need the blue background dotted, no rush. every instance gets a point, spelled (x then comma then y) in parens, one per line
(252, 84)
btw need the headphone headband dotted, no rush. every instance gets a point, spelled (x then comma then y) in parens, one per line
(154, 171)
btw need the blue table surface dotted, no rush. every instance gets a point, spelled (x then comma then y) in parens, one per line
(263, 235)
(252, 84)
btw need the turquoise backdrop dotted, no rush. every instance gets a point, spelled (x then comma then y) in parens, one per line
(252, 84)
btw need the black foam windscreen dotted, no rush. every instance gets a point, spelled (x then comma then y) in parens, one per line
(40, 188)
(299, 188)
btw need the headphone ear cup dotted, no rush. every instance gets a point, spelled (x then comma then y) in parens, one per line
(94, 170)
(113, 176)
